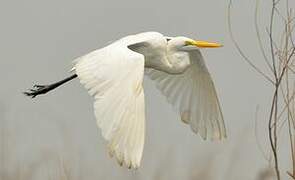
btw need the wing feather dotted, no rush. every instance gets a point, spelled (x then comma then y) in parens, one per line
(193, 94)
(114, 75)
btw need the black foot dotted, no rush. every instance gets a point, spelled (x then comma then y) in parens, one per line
(37, 90)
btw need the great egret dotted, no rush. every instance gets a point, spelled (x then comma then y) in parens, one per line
(113, 75)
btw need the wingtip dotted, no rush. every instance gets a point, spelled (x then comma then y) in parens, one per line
(122, 161)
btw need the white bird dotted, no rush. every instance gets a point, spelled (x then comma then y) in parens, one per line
(113, 75)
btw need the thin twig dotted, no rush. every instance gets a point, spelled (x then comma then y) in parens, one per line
(259, 37)
(271, 39)
(241, 51)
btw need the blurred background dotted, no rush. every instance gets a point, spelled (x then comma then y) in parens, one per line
(55, 136)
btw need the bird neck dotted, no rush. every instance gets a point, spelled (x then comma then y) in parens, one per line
(179, 60)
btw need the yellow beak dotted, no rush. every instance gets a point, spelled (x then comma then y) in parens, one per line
(203, 44)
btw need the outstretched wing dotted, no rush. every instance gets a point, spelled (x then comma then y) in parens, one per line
(114, 75)
(193, 94)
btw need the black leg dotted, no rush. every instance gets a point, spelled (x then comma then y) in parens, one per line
(43, 89)
(38, 89)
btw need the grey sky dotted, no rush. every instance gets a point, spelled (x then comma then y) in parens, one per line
(40, 137)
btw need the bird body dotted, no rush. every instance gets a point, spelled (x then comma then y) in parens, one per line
(113, 75)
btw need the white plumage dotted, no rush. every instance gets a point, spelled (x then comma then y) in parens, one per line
(113, 75)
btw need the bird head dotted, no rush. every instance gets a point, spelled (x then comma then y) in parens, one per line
(187, 44)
